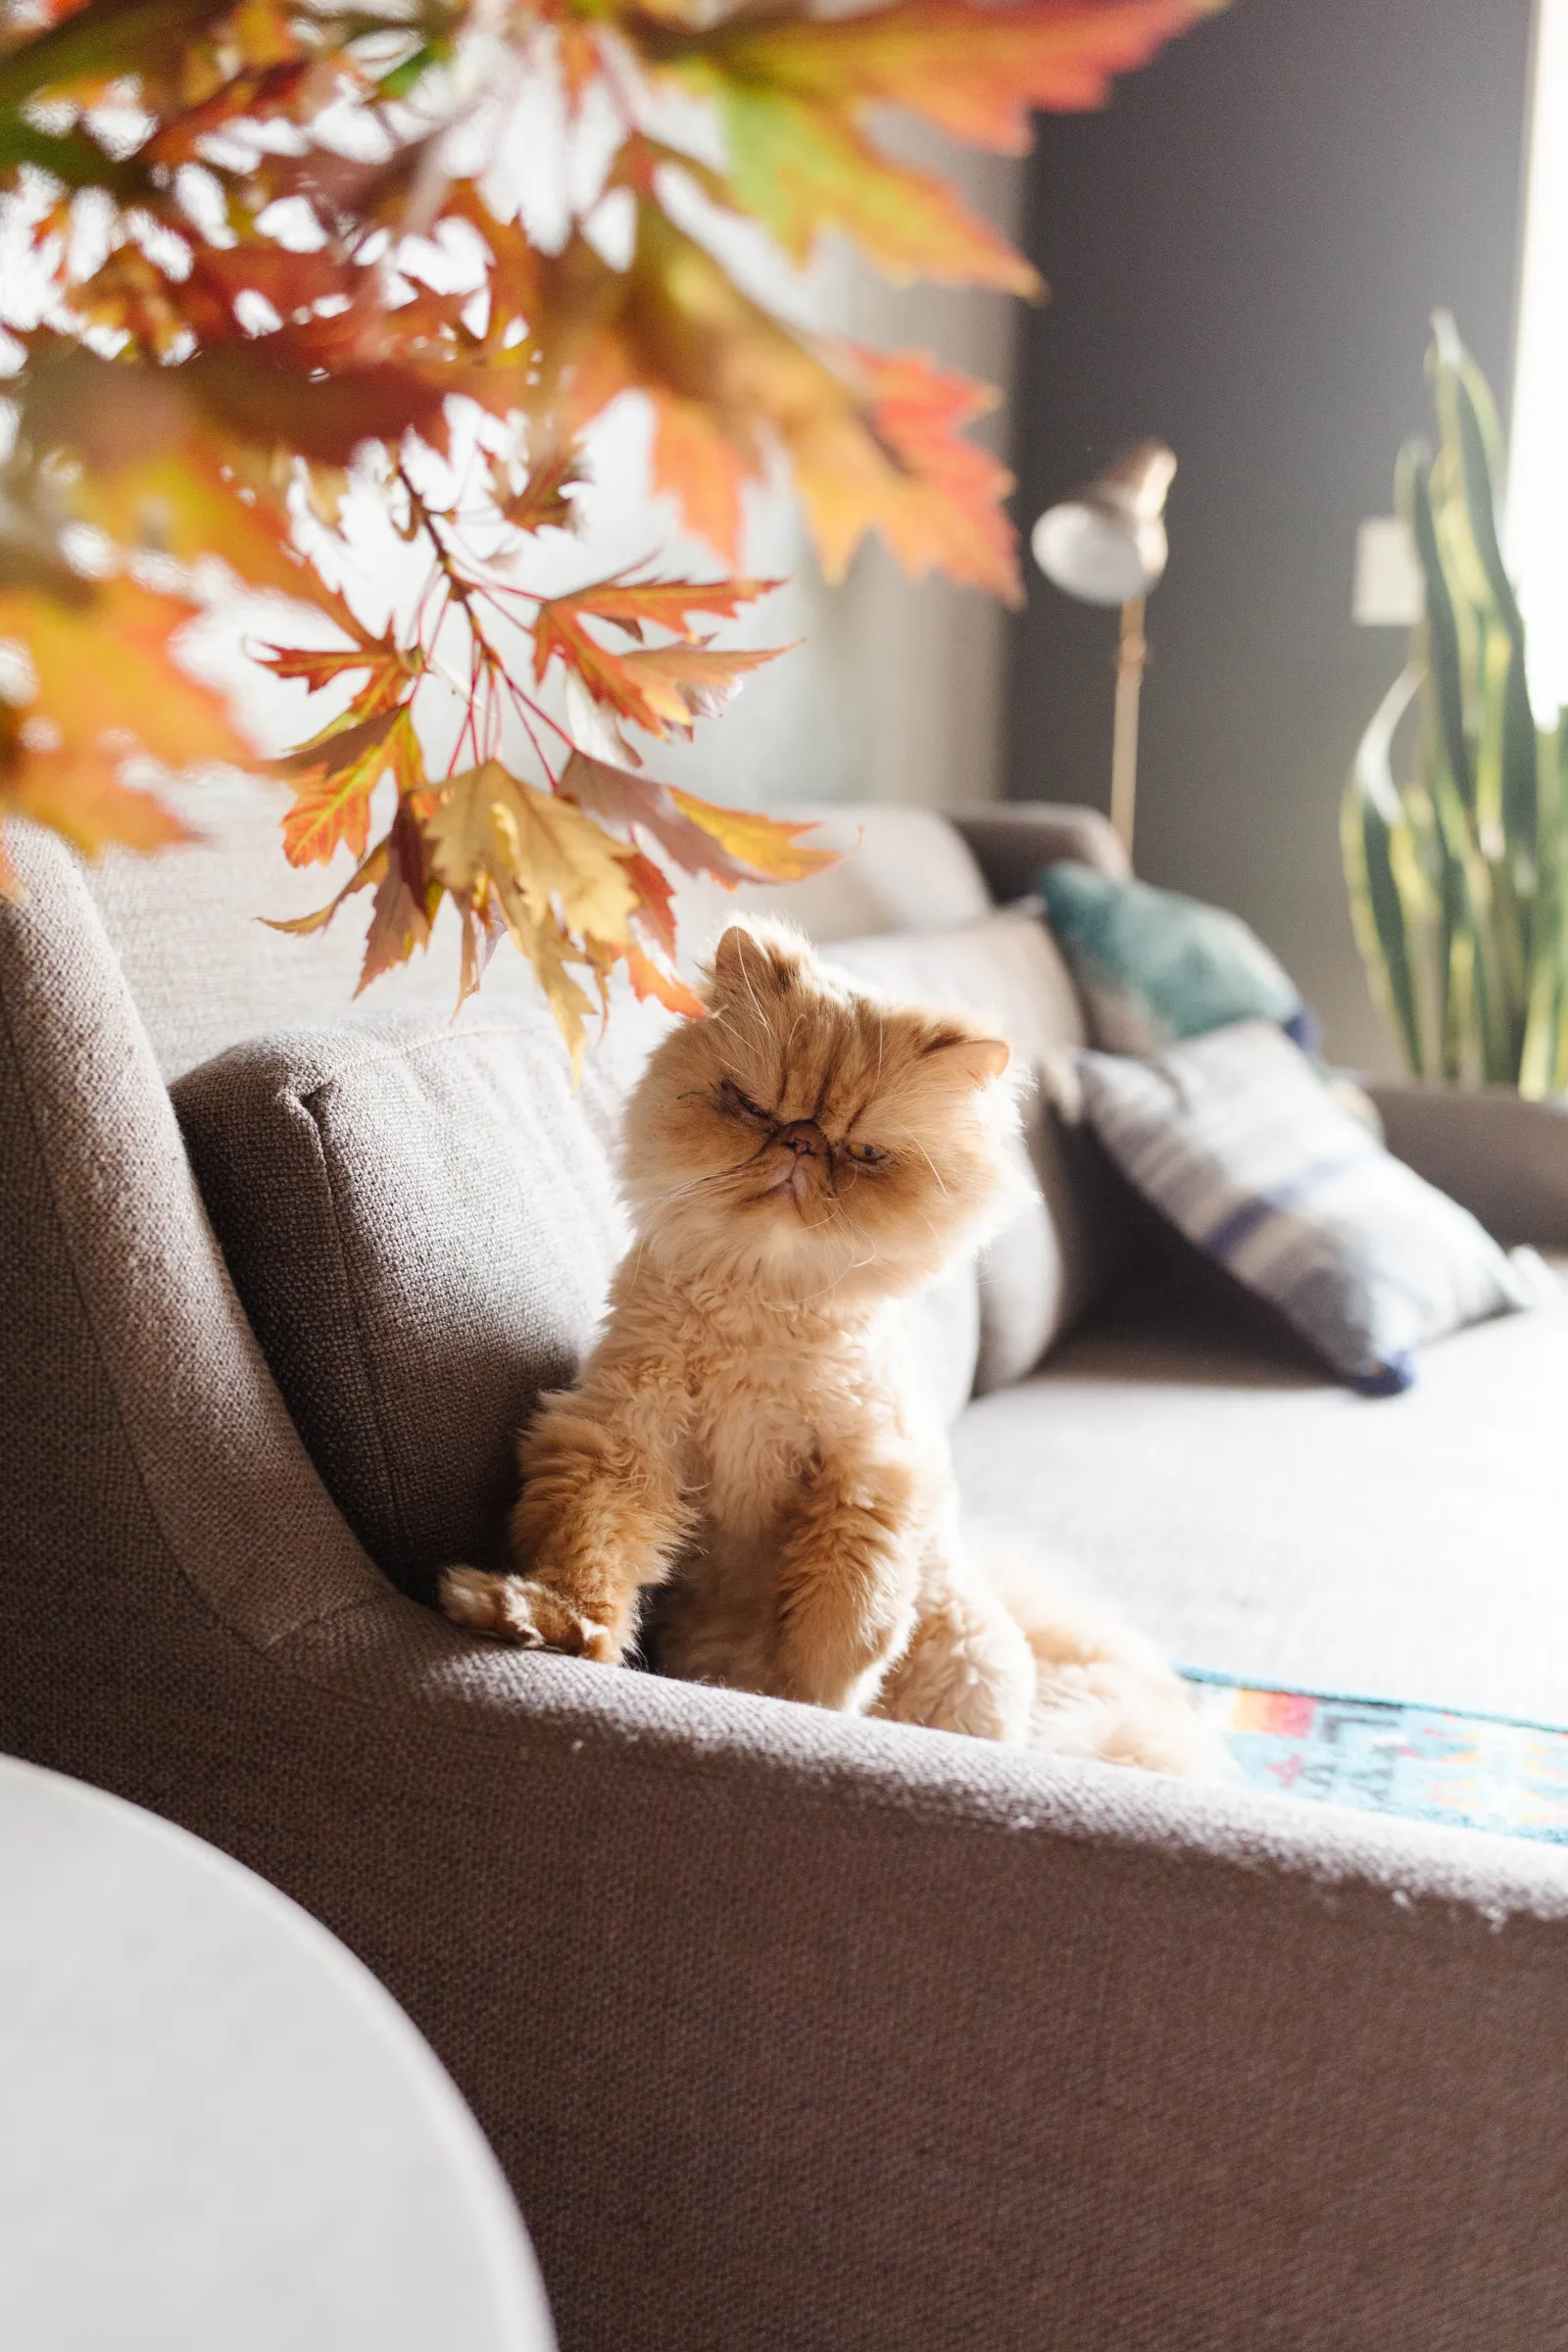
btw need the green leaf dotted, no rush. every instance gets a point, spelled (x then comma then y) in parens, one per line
(1385, 914)
(1440, 627)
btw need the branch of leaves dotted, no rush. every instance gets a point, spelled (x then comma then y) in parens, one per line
(564, 869)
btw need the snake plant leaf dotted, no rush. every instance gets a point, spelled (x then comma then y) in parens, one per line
(1458, 872)
(1440, 625)
(1471, 419)
(1544, 1055)
(1381, 912)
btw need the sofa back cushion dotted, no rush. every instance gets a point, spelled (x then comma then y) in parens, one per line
(1077, 1223)
(207, 974)
(421, 1222)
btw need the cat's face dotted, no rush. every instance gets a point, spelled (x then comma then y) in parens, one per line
(811, 1137)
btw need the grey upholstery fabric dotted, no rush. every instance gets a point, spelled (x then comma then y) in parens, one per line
(207, 971)
(790, 2031)
(1505, 1159)
(1263, 1522)
(1076, 1225)
(1012, 840)
(422, 1224)
(900, 869)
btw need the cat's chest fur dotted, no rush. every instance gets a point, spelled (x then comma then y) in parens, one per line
(763, 1418)
(762, 1421)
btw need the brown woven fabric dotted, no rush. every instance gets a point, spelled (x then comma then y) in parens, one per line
(794, 2033)
(1012, 842)
(1504, 1158)
(422, 1224)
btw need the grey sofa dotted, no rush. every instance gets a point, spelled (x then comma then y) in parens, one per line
(793, 2031)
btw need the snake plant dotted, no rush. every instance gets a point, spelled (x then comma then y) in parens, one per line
(1459, 867)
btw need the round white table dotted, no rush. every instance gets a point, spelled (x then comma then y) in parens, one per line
(217, 2132)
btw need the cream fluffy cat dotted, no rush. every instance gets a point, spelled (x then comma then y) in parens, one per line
(753, 1434)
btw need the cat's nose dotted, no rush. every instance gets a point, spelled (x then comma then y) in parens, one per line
(804, 1135)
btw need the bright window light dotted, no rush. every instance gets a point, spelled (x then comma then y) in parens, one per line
(1537, 474)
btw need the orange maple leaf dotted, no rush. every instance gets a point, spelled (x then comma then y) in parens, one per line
(106, 685)
(800, 165)
(876, 440)
(663, 689)
(934, 497)
(693, 459)
(407, 896)
(336, 774)
(730, 844)
(542, 503)
(973, 69)
(651, 979)
(769, 847)
(632, 604)
(656, 901)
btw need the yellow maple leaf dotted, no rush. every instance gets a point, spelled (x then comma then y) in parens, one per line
(486, 823)
(766, 846)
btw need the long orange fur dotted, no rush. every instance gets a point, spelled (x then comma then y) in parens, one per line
(752, 1441)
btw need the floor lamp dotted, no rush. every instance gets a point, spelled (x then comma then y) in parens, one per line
(1107, 544)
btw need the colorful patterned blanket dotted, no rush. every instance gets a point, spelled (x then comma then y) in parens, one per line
(1471, 1771)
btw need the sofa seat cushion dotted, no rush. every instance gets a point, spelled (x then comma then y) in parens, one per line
(1266, 1524)
(1076, 1223)
(421, 1222)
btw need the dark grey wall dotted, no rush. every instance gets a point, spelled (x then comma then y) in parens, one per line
(1243, 253)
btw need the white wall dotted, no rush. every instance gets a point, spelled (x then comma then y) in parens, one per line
(896, 692)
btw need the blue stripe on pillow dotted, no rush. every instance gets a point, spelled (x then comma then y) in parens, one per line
(1242, 1223)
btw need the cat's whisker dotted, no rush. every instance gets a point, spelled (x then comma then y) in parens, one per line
(932, 1165)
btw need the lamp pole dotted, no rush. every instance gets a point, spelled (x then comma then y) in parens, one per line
(1132, 652)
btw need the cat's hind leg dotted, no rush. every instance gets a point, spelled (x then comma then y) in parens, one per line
(1102, 1689)
(967, 1667)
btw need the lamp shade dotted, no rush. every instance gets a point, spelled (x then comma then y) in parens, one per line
(1108, 545)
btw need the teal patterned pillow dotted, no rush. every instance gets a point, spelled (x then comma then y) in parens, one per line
(1154, 967)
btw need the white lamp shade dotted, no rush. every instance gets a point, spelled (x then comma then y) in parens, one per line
(1100, 557)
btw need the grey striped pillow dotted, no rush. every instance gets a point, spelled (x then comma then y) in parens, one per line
(1236, 1140)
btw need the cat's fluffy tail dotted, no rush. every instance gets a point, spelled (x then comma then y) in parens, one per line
(1103, 1687)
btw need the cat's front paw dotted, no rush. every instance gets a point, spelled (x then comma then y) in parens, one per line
(532, 1615)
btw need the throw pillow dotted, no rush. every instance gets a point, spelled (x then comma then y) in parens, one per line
(1154, 967)
(421, 1222)
(1076, 1226)
(1236, 1140)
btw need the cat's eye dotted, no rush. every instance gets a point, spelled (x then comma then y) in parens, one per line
(733, 1100)
(865, 1155)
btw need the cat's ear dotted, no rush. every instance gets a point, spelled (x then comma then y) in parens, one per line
(747, 962)
(970, 1061)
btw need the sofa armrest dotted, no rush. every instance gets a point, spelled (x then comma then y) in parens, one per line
(1505, 1159)
(1011, 840)
(791, 2029)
